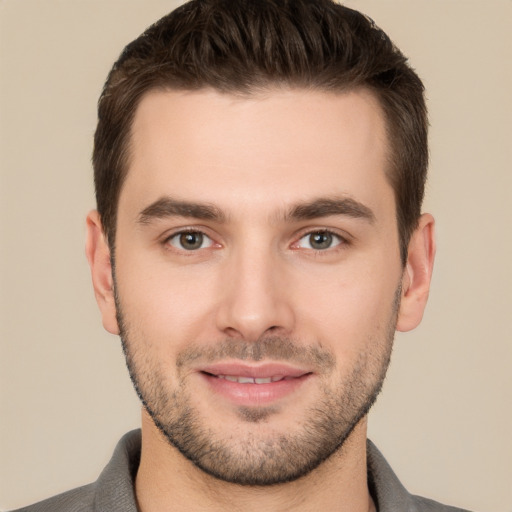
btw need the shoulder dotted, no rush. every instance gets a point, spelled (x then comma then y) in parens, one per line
(388, 492)
(80, 499)
(113, 491)
(420, 504)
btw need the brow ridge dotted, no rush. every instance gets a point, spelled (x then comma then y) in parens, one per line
(169, 207)
(321, 207)
(324, 207)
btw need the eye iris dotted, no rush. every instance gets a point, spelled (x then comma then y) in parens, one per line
(320, 240)
(191, 241)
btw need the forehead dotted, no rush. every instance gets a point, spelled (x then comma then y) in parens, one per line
(274, 147)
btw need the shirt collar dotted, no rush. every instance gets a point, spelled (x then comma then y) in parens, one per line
(115, 487)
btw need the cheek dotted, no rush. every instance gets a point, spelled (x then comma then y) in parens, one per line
(350, 306)
(168, 306)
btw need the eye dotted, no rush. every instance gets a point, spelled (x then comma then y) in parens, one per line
(319, 240)
(190, 240)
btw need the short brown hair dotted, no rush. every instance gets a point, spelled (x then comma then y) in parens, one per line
(242, 46)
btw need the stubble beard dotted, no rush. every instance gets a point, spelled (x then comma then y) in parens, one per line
(250, 458)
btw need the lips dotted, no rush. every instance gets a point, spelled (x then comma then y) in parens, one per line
(275, 371)
(253, 380)
(250, 385)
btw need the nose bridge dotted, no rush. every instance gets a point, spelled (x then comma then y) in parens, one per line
(254, 298)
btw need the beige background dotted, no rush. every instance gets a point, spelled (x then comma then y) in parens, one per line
(445, 418)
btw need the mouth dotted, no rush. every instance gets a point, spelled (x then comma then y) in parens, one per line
(249, 385)
(253, 380)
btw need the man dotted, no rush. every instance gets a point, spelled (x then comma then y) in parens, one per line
(259, 171)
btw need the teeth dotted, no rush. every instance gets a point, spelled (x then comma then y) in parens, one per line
(263, 381)
(245, 380)
(252, 380)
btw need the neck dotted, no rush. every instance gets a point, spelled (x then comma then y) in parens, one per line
(167, 481)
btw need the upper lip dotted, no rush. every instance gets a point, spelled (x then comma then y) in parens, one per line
(260, 371)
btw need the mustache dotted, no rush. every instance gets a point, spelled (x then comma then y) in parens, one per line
(275, 348)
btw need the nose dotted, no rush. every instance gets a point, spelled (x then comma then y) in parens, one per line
(255, 298)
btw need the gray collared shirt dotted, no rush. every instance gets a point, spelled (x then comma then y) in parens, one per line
(114, 491)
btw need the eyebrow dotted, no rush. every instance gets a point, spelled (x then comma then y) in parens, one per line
(169, 207)
(324, 207)
(317, 208)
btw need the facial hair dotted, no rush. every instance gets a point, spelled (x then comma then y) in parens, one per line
(251, 458)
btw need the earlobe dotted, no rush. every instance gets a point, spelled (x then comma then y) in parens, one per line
(417, 274)
(98, 256)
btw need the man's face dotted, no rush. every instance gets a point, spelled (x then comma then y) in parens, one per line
(257, 274)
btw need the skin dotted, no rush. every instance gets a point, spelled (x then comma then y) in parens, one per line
(256, 276)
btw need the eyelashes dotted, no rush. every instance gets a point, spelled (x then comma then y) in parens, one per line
(190, 240)
(320, 240)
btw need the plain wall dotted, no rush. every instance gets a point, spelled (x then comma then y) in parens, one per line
(444, 420)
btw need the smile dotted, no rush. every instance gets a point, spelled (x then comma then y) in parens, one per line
(253, 386)
(254, 380)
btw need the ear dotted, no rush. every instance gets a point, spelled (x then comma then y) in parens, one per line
(98, 256)
(417, 274)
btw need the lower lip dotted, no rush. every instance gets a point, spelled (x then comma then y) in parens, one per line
(254, 394)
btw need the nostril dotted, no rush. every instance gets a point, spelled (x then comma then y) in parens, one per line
(231, 332)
